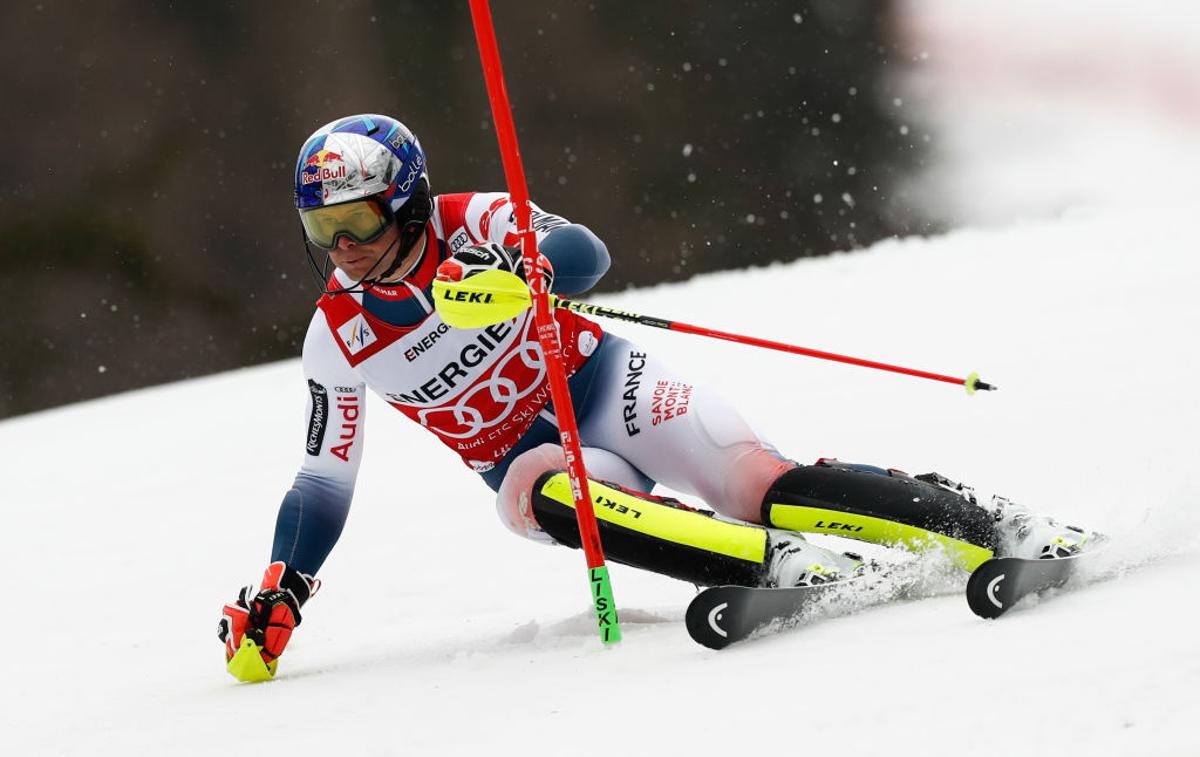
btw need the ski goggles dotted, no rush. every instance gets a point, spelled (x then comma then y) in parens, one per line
(364, 221)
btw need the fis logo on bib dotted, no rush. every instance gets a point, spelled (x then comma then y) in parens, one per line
(356, 335)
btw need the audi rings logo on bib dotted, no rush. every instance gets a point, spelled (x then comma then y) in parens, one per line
(493, 400)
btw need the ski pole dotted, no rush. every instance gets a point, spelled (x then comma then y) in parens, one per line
(535, 293)
(494, 296)
(972, 383)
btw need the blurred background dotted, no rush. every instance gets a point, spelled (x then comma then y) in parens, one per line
(147, 231)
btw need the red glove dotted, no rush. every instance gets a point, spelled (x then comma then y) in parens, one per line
(270, 616)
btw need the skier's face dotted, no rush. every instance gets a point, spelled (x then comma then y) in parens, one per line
(358, 259)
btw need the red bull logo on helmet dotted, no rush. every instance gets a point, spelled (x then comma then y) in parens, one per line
(320, 157)
(315, 168)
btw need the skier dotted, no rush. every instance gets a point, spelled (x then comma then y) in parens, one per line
(362, 192)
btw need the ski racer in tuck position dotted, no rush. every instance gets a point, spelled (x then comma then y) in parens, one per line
(363, 195)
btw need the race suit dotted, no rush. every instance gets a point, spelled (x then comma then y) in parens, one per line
(484, 392)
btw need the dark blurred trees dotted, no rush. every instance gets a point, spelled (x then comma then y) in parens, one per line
(146, 226)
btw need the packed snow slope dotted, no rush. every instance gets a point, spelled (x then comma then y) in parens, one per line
(1071, 284)
(129, 521)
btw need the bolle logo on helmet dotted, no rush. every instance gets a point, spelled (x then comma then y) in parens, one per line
(401, 135)
(413, 173)
(315, 168)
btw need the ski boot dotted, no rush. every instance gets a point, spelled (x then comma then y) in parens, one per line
(793, 561)
(950, 485)
(1021, 533)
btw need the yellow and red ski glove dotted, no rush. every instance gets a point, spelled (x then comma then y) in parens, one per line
(256, 628)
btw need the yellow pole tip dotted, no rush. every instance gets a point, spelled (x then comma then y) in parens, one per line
(247, 664)
(971, 382)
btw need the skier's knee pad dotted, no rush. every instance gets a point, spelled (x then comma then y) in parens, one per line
(513, 499)
(880, 506)
(654, 533)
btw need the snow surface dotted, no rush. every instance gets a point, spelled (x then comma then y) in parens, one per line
(129, 521)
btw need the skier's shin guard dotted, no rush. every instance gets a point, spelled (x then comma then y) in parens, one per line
(881, 507)
(656, 534)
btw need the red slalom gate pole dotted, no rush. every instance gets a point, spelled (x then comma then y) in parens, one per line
(506, 133)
